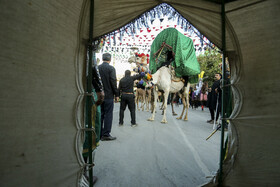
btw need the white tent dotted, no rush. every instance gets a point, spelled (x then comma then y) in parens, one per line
(42, 69)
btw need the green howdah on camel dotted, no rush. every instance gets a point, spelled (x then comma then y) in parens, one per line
(185, 62)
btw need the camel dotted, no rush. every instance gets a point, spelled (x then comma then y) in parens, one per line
(148, 98)
(165, 80)
(140, 95)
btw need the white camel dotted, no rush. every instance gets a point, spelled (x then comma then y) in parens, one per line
(165, 80)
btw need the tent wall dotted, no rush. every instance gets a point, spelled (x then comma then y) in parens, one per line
(42, 57)
(38, 92)
(256, 26)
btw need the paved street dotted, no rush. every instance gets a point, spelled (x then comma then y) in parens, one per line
(155, 154)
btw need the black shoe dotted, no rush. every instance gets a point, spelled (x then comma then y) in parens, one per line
(210, 121)
(108, 138)
(120, 124)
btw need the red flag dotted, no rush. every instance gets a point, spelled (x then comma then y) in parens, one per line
(167, 25)
(161, 27)
(154, 27)
(175, 26)
(141, 30)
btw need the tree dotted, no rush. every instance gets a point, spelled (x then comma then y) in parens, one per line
(209, 63)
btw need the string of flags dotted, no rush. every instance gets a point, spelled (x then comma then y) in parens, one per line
(141, 32)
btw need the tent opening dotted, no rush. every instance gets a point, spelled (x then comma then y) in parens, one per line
(136, 38)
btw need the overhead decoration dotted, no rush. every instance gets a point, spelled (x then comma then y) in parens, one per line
(145, 21)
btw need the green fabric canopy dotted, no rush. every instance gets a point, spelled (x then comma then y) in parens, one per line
(185, 59)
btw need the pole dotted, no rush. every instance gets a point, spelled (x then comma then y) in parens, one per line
(89, 90)
(220, 180)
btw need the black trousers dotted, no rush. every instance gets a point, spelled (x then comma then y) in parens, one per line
(107, 108)
(127, 99)
(212, 112)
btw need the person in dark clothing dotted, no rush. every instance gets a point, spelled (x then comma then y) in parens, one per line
(97, 85)
(214, 97)
(168, 61)
(109, 80)
(97, 92)
(127, 96)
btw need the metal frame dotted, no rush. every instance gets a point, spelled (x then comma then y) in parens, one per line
(89, 90)
(223, 15)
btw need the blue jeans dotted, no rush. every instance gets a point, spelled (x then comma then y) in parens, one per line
(107, 108)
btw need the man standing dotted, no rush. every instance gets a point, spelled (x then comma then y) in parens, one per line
(109, 80)
(214, 97)
(127, 96)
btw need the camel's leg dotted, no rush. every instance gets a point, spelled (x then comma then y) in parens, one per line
(154, 106)
(148, 100)
(186, 96)
(147, 104)
(166, 92)
(172, 106)
(143, 101)
(184, 106)
(162, 106)
(152, 100)
(137, 99)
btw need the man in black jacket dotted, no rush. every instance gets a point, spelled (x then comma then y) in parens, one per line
(109, 80)
(214, 97)
(127, 96)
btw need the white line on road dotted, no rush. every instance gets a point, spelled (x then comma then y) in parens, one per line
(194, 152)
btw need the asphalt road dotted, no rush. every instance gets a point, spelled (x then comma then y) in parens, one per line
(156, 154)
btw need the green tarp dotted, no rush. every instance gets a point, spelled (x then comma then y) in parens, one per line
(185, 62)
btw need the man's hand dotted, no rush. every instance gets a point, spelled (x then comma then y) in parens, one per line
(117, 99)
(216, 90)
(100, 98)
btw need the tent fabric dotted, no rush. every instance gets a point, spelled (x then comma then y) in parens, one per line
(38, 94)
(185, 59)
(42, 56)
